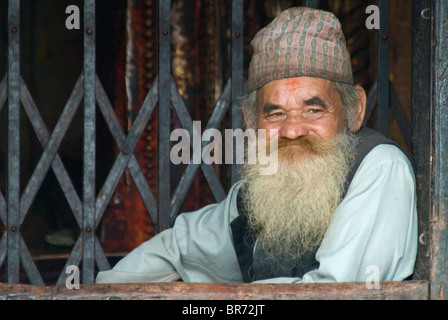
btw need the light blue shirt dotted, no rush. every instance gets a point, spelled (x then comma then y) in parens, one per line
(373, 235)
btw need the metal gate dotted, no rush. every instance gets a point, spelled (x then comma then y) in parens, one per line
(89, 208)
(88, 91)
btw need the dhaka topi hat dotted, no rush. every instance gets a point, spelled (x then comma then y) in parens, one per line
(300, 42)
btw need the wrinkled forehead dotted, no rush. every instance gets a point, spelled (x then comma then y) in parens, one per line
(298, 87)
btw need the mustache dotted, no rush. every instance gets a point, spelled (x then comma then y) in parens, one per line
(310, 144)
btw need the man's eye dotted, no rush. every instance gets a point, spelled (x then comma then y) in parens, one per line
(313, 113)
(275, 116)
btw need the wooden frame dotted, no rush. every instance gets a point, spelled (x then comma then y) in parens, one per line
(430, 131)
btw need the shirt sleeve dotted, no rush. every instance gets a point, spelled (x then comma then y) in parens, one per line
(198, 248)
(373, 235)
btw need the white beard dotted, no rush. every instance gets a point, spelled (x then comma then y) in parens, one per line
(290, 211)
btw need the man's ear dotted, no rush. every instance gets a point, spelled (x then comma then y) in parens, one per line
(360, 109)
(246, 122)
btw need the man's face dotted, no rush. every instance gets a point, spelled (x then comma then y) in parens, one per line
(293, 208)
(301, 107)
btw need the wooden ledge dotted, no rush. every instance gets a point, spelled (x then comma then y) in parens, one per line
(407, 290)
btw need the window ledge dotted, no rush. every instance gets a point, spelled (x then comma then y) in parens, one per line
(407, 290)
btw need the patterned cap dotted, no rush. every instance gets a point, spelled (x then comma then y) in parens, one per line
(300, 42)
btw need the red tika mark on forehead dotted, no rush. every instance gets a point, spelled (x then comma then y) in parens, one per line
(294, 82)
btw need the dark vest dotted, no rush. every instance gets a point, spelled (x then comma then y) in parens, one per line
(253, 266)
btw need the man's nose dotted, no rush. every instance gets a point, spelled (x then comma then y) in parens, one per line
(293, 128)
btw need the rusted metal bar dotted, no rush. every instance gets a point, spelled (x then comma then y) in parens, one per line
(3, 91)
(215, 120)
(13, 187)
(383, 68)
(237, 84)
(28, 264)
(407, 290)
(439, 217)
(89, 192)
(100, 257)
(3, 248)
(44, 138)
(192, 168)
(126, 153)
(421, 127)
(133, 165)
(3, 205)
(213, 182)
(50, 145)
(163, 170)
(123, 159)
(74, 259)
(3, 218)
(126, 222)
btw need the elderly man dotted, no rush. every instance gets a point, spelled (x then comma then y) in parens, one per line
(342, 203)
